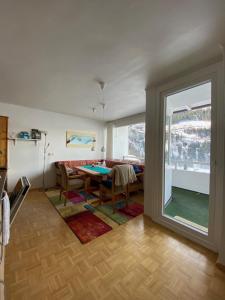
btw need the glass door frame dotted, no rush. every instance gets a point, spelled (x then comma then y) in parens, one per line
(210, 240)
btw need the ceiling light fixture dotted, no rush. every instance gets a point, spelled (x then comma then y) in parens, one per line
(94, 139)
(102, 85)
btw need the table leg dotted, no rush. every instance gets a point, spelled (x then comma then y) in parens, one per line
(87, 183)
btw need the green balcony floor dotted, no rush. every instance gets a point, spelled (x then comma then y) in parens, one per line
(189, 205)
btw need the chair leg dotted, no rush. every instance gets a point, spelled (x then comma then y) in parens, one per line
(100, 196)
(114, 203)
(60, 197)
(126, 202)
(86, 183)
(127, 196)
(65, 200)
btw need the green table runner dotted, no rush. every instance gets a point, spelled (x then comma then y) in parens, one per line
(99, 169)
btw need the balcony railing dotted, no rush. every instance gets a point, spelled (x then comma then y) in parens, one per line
(190, 165)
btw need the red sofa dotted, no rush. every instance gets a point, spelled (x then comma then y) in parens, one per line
(109, 163)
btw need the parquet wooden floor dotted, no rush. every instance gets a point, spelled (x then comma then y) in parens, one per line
(139, 260)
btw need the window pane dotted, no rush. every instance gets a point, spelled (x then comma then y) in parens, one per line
(129, 142)
(190, 139)
(136, 140)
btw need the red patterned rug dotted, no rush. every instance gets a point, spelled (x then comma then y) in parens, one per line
(87, 226)
(74, 197)
(133, 210)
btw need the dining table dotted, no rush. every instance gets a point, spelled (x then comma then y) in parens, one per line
(96, 172)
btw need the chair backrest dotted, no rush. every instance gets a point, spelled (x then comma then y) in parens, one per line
(122, 175)
(64, 176)
(116, 189)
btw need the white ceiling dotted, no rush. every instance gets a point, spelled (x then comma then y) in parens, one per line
(53, 51)
(190, 98)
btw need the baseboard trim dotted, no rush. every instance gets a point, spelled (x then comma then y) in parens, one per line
(186, 232)
(41, 189)
(147, 217)
(220, 266)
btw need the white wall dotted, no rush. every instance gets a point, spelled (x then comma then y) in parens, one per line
(190, 180)
(27, 159)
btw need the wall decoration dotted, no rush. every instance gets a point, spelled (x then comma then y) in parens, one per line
(80, 139)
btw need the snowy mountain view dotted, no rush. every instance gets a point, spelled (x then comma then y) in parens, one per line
(136, 140)
(190, 140)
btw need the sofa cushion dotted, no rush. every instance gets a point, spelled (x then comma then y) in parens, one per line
(69, 170)
(137, 169)
(109, 163)
(74, 163)
(112, 163)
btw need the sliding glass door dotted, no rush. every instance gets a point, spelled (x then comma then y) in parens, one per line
(187, 156)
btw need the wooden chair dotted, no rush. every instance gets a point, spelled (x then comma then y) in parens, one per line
(70, 182)
(113, 191)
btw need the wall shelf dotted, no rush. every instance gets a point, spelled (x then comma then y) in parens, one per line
(23, 140)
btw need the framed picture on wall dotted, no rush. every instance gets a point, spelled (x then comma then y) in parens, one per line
(80, 139)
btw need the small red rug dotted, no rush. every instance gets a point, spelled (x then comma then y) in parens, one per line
(133, 210)
(87, 226)
(74, 197)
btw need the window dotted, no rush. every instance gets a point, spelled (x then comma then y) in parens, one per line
(190, 139)
(136, 140)
(129, 142)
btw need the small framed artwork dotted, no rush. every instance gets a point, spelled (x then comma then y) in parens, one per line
(80, 139)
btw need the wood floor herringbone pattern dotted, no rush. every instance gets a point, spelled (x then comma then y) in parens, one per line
(138, 260)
